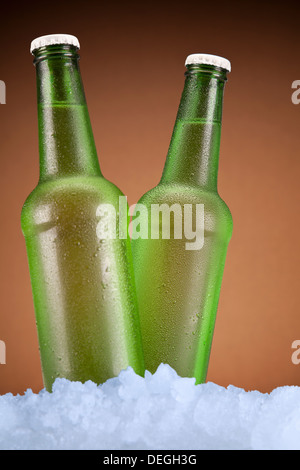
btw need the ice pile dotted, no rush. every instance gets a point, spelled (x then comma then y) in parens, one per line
(160, 411)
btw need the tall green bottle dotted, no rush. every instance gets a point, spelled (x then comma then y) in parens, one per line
(82, 281)
(178, 270)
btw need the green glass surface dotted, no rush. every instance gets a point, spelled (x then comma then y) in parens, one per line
(178, 289)
(83, 286)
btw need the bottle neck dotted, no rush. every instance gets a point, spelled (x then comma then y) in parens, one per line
(66, 142)
(193, 155)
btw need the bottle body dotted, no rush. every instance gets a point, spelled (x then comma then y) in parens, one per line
(178, 289)
(83, 283)
(178, 276)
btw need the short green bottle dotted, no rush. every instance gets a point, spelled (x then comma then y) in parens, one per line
(178, 275)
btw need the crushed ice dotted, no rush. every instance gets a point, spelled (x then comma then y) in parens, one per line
(160, 411)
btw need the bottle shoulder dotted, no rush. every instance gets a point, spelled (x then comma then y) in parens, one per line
(67, 187)
(216, 210)
(183, 194)
(68, 195)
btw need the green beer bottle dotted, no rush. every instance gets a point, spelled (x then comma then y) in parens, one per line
(82, 281)
(179, 267)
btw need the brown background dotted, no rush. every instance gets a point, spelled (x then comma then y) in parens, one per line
(132, 62)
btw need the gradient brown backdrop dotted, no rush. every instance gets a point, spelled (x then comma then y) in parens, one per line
(132, 62)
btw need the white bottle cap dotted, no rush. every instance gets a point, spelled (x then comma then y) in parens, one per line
(52, 39)
(208, 59)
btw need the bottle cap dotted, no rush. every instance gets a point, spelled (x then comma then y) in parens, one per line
(52, 39)
(208, 59)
